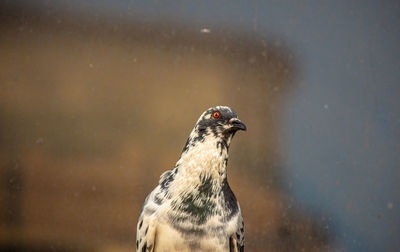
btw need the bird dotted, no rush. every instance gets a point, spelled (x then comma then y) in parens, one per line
(193, 207)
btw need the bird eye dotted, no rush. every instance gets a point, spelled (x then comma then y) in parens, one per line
(216, 114)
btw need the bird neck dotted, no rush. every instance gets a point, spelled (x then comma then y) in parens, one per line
(205, 156)
(198, 178)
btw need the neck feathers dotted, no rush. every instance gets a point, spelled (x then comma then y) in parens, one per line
(198, 181)
(205, 154)
(204, 159)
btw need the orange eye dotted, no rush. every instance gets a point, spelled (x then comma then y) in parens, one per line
(216, 114)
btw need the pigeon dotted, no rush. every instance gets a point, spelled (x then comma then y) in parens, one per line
(193, 208)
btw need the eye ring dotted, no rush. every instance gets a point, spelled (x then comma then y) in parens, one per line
(216, 115)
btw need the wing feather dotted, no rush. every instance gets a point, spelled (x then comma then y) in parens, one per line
(146, 227)
(236, 242)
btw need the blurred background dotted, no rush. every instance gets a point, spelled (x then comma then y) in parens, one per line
(97, 99)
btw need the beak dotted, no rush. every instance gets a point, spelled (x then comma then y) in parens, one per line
(237, 124)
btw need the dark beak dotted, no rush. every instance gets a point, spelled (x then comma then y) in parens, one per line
(237, 124)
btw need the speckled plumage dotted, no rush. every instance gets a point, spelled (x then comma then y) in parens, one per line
(193, 207)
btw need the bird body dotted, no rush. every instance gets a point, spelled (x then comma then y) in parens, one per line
(193, 207)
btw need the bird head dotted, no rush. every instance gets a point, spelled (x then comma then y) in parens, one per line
(220, 121)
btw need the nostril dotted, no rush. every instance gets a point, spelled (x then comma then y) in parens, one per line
(232, 120)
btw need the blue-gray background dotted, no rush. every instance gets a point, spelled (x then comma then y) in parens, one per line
(341, 131)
